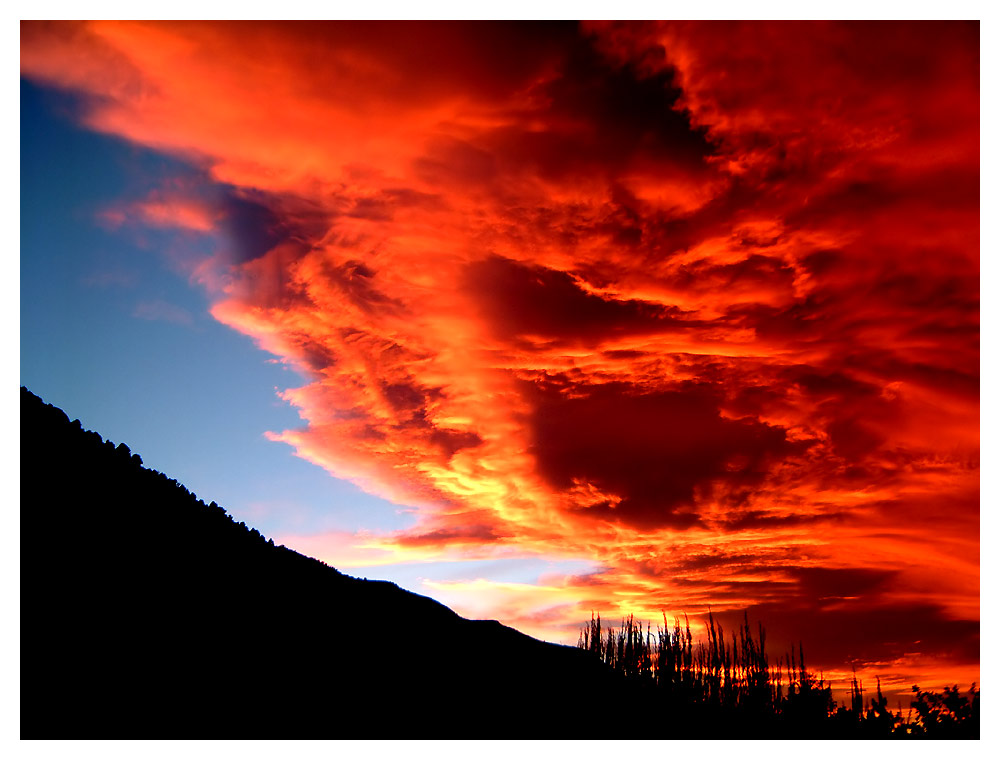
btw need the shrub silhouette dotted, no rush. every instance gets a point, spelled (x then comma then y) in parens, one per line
(948, 715)
(730, 683)
(730, 688)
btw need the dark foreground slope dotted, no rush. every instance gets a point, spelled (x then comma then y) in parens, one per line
(147, 614)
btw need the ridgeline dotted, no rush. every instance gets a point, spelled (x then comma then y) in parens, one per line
(146, 613)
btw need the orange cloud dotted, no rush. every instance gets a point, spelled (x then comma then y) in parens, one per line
(170, 213)
(698, 302)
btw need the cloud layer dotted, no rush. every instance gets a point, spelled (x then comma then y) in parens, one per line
(699, 302)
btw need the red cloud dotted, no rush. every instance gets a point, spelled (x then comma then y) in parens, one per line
(696, 301)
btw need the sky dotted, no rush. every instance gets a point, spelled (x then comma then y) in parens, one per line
(538, 320)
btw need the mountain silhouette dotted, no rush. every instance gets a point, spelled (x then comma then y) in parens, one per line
(146, 613)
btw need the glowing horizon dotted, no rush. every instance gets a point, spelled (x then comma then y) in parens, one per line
(695, 303)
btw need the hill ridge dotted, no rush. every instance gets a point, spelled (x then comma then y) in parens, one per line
(134, 584)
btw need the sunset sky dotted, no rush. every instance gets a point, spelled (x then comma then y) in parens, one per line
(539, 319)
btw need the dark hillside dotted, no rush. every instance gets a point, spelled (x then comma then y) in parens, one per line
(147, 614)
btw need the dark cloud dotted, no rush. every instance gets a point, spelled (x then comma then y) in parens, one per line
(651, 449)
(521, 300)
(723, 559)
(450, 161)
(817, 584)
(252, 226)
(746, 281)
(760, 520)
(860, 632)
(357, 282)
(602, 116)
(382, 206)
(629, 107)
(468, 534)
(452, 441)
